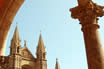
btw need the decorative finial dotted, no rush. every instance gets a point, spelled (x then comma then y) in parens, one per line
(56, 59)
(24, 42)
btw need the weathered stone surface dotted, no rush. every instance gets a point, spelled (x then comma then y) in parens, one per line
(21, 57)
(87, 12)
(8, 9)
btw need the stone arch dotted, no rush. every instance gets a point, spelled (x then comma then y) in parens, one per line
(26, 67)
(8, 10)
(27, 64)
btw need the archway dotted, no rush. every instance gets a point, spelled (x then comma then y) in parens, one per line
(8, 10)
(26, 67)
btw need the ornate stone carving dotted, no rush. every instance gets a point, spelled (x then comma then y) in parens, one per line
(87, 13)
(4, 62)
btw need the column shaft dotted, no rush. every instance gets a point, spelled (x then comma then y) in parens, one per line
(93, 46)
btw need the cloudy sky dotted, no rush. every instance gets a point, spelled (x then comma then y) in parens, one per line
(61, 34)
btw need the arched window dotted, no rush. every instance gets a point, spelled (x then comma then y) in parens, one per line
(44, 54)
(18, 49)
(26, 67)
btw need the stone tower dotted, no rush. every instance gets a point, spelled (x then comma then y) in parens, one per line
(21, 57)
(15, 50)
(41, 55)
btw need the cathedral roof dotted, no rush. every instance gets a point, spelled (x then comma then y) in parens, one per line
(24, 50)
(26, 53)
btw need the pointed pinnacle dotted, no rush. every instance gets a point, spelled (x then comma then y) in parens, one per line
(16, 34)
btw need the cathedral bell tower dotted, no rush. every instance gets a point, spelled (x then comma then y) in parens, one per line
(41, 55)
(15, 56)
(15, 43)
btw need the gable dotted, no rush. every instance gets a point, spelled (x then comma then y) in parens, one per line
(26, 54)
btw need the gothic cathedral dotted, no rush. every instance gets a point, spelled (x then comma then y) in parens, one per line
(21, 58)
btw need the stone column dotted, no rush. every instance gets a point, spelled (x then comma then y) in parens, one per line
(8, 10)
(87, 13)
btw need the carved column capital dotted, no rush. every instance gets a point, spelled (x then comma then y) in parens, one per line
(87, 13)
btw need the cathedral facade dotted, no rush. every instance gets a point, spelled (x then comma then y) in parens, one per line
(21, 58)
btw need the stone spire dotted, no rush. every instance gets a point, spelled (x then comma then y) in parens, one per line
(15, 43)
(57, 64)
(41, 55)
(41, 48)
(16, 35)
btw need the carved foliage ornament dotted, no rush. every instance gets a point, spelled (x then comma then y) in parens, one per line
(87, 12)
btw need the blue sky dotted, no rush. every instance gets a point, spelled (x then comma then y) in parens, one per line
(61, 34)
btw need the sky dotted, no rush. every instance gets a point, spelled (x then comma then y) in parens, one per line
(61, 34)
